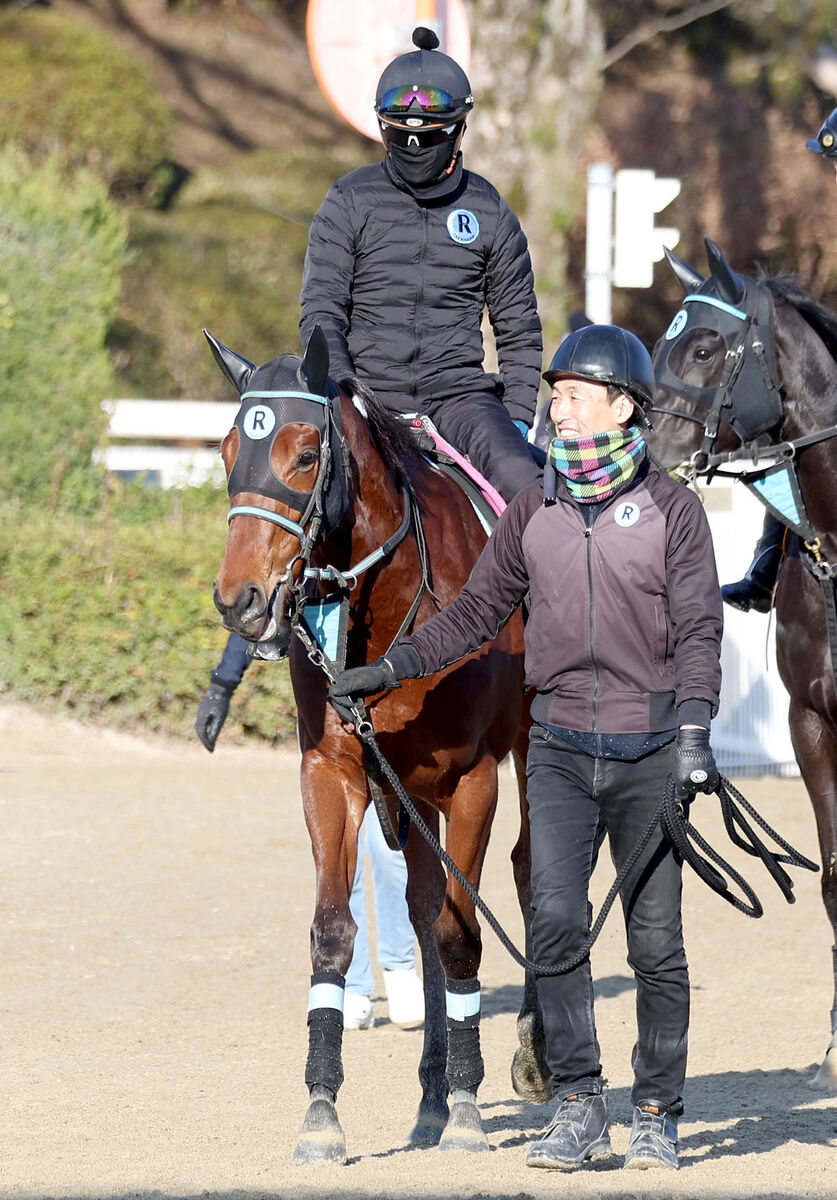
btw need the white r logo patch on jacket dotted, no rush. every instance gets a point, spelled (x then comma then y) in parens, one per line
(626, 514)
(463, 226)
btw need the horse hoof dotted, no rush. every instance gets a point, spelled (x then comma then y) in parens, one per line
(825, 1079)
(322, 1139)
(527, 1078)
(464, 1128)
(431, 1120)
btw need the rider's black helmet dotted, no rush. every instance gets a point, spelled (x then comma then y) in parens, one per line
(423, 88)
(826, 140)
(606, 354)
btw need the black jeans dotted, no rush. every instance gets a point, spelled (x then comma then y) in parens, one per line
(574, 800)
(480, 427)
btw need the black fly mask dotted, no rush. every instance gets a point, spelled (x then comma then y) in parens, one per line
(744, 391)
(285, 391)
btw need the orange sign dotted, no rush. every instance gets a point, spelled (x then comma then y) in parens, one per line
(351, 41)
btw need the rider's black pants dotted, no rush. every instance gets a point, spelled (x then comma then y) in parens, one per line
(479, 426)
(574, 800)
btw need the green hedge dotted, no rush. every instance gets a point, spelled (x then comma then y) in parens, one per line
(62, 246)
(68, 90)
(112, 619)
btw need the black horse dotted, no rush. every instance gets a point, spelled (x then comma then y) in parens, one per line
(747, 379)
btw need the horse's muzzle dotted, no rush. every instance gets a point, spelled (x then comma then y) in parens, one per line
(257, 619)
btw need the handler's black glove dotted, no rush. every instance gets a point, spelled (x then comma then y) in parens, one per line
(213, 710)
(694, 764)
(402, 662)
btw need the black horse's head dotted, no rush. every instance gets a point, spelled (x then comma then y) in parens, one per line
(286, 473)
(715, 367)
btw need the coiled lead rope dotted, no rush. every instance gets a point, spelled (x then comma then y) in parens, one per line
(674, 825)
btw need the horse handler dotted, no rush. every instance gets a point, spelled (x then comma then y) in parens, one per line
(623, 656)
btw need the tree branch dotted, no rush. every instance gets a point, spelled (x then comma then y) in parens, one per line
(649, 29)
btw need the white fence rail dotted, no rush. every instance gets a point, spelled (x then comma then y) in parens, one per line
(173, 442)
(176, 443)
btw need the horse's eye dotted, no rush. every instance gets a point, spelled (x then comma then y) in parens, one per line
(306, 460)
(702, 354)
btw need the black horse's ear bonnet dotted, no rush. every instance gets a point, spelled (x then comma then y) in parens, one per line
(285, 391)
(313, 370)
(748, 396)
(237, 369)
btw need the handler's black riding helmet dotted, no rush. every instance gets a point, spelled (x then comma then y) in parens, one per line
(826, 140)
(611, 355)
(422, 100)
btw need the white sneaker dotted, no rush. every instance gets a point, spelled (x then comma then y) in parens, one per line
(405, 998)
(357, 1011)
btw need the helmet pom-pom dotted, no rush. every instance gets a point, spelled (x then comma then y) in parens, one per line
(425, 38)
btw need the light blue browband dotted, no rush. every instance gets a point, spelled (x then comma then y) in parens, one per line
(276, 395)
(250, 510)
(735, 312)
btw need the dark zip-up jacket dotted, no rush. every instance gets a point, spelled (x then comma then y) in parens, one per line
(626, 618)
(399, 288)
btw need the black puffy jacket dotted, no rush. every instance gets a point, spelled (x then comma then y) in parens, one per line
(399, 288)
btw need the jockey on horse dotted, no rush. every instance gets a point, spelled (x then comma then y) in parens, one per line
(402, 257)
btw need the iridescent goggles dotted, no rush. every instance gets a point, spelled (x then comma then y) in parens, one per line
(429, 99)
(413, 102)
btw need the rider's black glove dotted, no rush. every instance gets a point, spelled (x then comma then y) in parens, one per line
(694, 764)
(402, 662)
(213, 710)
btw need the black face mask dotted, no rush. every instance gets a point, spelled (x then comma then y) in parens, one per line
(422, 167)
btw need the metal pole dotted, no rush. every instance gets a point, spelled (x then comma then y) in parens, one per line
(599, 253)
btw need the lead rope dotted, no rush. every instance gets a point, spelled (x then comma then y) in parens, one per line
(674, 824)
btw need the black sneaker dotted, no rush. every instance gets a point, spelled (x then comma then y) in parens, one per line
(578, 1131)
(653, 1141)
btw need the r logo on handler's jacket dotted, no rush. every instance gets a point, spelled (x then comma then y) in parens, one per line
(463, 226)
(626, 514)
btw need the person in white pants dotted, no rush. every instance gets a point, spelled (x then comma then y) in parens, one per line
(396, 952)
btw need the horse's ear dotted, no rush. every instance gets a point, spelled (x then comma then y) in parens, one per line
(314, 368)
(237, 369)
(690, 279)
(730, 286)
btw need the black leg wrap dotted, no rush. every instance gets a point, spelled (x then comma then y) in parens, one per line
(324, 1067)
(465, 1069)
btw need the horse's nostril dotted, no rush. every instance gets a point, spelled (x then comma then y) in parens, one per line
(250, 603)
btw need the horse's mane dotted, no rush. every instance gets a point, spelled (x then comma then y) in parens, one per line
(820, 318)
(392, 436)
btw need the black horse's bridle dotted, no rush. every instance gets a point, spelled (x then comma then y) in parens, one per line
(748, 395)
(259, 420)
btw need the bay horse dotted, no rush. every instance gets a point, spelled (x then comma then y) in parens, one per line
(747, 365)
(333, 507)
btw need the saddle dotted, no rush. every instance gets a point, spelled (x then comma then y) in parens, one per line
(485, 500)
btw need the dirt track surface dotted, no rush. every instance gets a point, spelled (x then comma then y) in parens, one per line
(153, 935)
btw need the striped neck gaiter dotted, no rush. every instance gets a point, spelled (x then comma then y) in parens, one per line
(595, 467)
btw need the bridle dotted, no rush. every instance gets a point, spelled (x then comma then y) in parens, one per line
(320, 510)
(748, 395)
